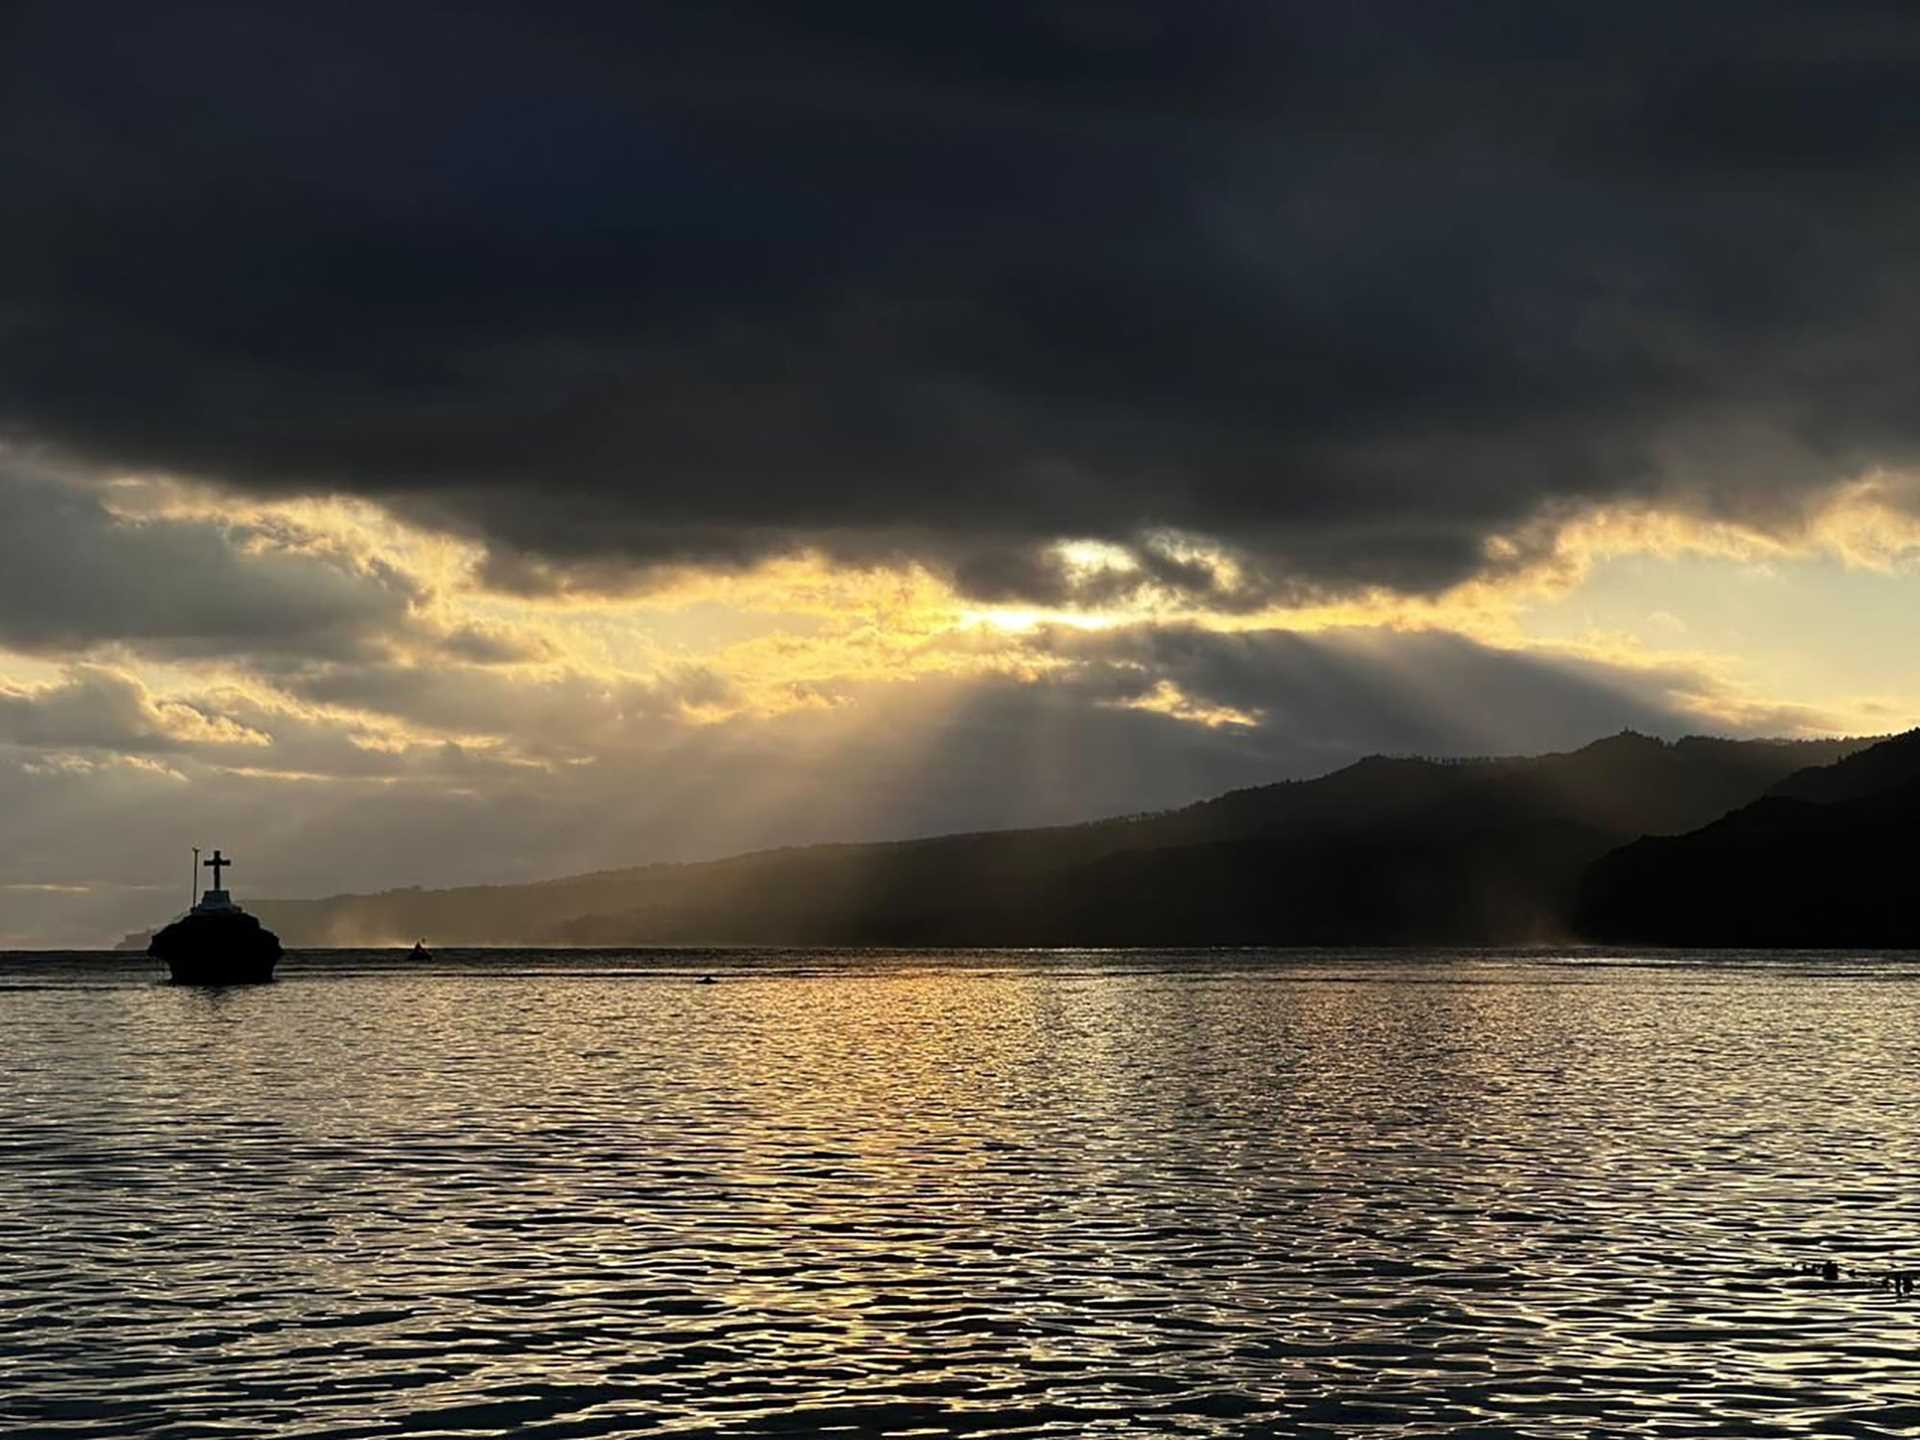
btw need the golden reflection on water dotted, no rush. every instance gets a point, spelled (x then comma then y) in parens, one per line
(990, 1194)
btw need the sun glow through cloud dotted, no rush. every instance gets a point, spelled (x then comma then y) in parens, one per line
(801, 632)
(465, 696)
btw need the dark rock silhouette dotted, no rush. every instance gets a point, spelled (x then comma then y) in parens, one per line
(216, 942)
(230, 948)
(1824, 859)
(1384, 851)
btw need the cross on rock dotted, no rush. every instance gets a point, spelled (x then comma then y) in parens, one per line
(215, 864)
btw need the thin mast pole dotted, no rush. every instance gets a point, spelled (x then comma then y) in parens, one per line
(194, 881)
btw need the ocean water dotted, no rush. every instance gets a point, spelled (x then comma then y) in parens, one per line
(1074, 1194)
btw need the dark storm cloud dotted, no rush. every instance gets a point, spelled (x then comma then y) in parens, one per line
(1347, 286)
(74, 576)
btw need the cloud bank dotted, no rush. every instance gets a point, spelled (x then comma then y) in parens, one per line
(1343, 291)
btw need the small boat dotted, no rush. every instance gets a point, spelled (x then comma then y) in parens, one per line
(420, 951)
(216, 942)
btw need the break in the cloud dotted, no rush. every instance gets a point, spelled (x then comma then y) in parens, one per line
(407, 722)
(478, 441)
(105, 785)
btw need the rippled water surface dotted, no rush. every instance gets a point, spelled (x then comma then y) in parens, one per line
(991, 1194)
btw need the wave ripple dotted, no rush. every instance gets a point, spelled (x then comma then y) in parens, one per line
(978, 1195)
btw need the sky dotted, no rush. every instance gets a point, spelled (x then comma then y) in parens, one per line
(469, 443)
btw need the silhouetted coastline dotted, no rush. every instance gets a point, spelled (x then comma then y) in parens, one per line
(1386, 851)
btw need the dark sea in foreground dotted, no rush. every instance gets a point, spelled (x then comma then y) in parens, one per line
(1209, 1193)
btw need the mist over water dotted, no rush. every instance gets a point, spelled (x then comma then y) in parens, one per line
(564, 1194)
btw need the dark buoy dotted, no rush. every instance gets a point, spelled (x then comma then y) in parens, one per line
(706, 980)
(216, 942)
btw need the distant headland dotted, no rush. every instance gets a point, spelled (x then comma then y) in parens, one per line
(1750, 842)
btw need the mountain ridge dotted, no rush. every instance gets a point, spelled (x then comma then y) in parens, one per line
(1822, 859)
(1384, 850)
